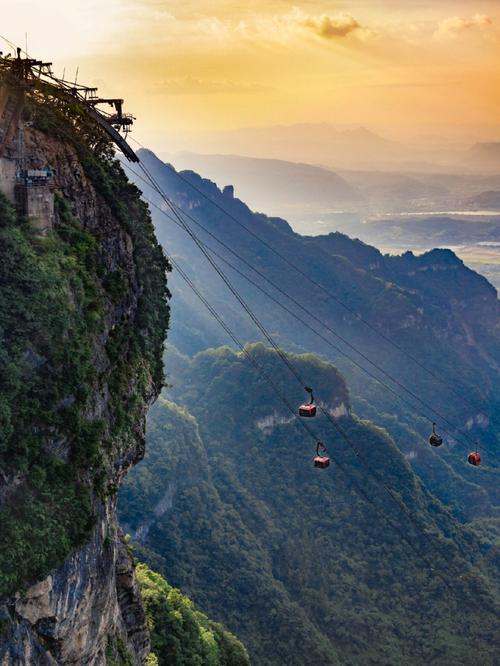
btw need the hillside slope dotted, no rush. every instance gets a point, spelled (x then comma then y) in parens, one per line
(180, 634)
(307, 566)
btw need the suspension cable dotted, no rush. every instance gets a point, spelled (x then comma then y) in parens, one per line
(357, 488)
(318, 284)
(444, 419)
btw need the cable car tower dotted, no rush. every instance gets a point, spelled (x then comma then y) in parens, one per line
(27, 180)
(22, 77)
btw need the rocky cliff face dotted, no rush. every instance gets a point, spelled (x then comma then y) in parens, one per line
(83, 316)
(88, 611)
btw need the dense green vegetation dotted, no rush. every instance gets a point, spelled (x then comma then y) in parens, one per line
(181, 635)
(46, 373)
(58, 295)
(293, 559)
(117, 653)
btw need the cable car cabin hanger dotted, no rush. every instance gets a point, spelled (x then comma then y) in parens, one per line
(434, 439)
(473, 458)
(321, 460)
(308, 410)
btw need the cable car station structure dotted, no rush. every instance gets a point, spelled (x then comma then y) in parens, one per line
(23, 79)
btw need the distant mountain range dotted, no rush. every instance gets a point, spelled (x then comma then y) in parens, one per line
(313, 143)
(489, 200)
(431, 305)
(309, 195)
(438, 231)
(484, 156)
(359, 148)
(271, 184)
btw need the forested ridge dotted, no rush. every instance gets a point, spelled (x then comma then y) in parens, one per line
(180, 634)
(293, 559)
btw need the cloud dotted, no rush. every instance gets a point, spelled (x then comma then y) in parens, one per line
(332, 27)
(454, 25)
(223, 23)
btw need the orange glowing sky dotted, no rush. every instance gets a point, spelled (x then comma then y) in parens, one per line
(192, 65)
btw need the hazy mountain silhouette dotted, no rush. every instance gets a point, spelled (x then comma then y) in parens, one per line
(316, 143)
(268, 185)
(484, 156)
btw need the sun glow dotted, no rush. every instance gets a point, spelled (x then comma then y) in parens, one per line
(192, 66)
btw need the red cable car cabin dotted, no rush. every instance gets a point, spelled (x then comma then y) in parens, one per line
(321, 461)
(474, 459)
(307, 410)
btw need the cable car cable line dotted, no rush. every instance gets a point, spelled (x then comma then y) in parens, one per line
(221, 274)
(454, 427)
(352, 360)
(279, 352)
(318, 284)
(357, 488)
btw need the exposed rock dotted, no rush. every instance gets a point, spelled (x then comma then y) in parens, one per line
(70, 616)
(271, 421)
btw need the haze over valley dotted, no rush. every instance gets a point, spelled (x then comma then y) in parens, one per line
(395, 210)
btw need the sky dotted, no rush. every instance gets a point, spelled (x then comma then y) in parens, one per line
(191, 66)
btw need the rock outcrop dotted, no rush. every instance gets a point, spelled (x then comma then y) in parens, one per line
(83, 611)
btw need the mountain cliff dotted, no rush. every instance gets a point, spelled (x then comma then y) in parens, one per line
(83, 318)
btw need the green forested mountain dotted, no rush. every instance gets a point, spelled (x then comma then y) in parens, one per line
(307, 566)
(83, 318)
(431, 307)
